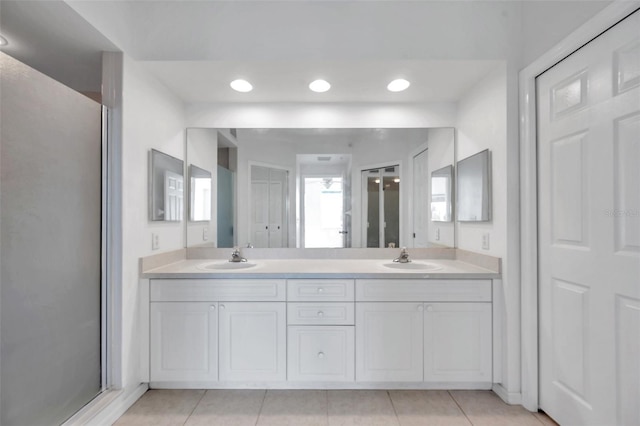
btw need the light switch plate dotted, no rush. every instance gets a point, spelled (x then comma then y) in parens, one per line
(155, 241)
(485, 241)
(205, 234)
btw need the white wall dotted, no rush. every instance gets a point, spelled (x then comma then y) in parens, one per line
(482, 123)
(560, 18)
(202, 151)
(321, 115)
(152, 118)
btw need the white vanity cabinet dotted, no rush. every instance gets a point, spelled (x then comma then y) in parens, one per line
(320, 341)
(209, 330)
(359, 333)
(432, 331)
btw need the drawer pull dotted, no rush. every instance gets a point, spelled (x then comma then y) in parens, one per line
(320, 289)
(320, 314)
(320, 355)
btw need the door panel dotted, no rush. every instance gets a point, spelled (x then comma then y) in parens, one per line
(389, 342)
(457, 342)
(259, 214)
(589, 231)
(184, 341)
(252, 341)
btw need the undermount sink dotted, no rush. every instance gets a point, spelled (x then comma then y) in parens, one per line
(417, 266)
(226, 265)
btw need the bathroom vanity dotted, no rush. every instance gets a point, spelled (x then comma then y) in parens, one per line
(320, 323)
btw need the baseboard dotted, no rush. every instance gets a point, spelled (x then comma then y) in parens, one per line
(511, 398)
(108, 407)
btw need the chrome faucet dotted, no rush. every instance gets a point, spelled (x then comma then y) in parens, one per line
(404, 256)
(236, 257)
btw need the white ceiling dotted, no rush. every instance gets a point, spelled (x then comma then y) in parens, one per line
(52, 38)
(197, 47)
(287, 81)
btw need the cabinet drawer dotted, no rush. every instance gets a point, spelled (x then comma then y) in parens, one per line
(309, 313)
(416, 290)
(320, 353)
(195, 290)
(320, 290)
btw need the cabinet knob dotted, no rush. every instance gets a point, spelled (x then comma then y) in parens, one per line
(212, 307)
(420, 308)
(429, 308)
(320, 313)
(320, 355)
(222, 306)
(320, 289)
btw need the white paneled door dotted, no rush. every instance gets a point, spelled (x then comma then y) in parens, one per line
(589, 231)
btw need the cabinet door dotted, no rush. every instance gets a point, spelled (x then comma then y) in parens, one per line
(457, 342)
(184, 341)
(253, 341)
(320, 353)
(389, 342)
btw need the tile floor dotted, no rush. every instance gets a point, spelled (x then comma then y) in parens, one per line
(326, 408)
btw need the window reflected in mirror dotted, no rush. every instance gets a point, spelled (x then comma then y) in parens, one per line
(199, 194)
(441, 194)
(323, 212)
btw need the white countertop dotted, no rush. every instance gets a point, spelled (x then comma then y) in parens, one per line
(322, 268)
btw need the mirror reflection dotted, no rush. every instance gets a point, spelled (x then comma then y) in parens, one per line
(441, 190)
(199, 194)
(474, 188)
(166, 187)
(312, 188)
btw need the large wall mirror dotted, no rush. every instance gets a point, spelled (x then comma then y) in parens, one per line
(311, 188)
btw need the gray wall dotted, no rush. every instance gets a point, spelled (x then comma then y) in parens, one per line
(50, 188)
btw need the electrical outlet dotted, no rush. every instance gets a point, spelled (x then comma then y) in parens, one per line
(485, 241)
(155, 241)
(437, 234)
(205, 234)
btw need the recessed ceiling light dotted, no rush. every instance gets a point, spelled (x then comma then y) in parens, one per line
(3, 41)
(241, 85)
(398, 85)
(319, 86)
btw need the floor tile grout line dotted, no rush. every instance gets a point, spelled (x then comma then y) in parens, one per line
(326, 395)
(194, 407)
(460, 407)
(393, 406)
(264, 397)
(536, 417)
